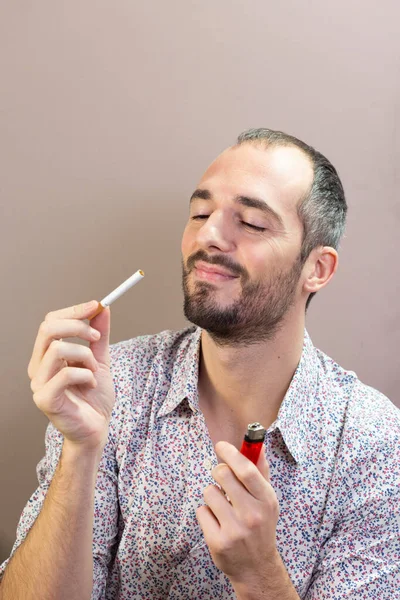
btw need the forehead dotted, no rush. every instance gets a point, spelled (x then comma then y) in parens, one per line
(280, 175)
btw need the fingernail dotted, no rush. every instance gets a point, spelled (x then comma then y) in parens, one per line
(88, 305)
(95, 334)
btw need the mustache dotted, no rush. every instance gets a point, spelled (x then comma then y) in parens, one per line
(223, 261)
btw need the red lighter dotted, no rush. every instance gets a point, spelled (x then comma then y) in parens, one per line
(253, 442)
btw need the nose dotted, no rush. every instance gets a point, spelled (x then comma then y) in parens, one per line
(216, 233)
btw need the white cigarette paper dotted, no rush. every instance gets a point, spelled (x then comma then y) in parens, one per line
(121, 289)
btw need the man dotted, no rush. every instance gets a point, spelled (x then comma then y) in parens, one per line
(145, 494)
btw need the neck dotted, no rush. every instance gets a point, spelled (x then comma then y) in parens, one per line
(248, 383)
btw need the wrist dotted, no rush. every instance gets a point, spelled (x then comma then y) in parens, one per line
(254, 585)
(77, 455)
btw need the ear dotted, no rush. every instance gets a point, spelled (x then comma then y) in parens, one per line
(320, 267)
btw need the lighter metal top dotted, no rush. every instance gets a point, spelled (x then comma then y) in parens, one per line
(255, 432)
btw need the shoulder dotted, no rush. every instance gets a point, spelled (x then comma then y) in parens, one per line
(373, 409)
(366, 456)
(334, 377)
(369, 443)
(373, 424)
(368, 423)
(364, 405)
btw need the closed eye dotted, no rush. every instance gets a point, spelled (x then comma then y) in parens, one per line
(254, 227)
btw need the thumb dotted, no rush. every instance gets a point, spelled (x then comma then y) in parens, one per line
(101, 347)
(262, 464)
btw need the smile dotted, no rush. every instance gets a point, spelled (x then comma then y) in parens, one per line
(211, 275)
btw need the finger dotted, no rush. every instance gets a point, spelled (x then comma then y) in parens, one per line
(50, 398)
(220, 506)
(101, 347)
(263, 465)
(55, 357)
(237, 493)
(55, 329)
(246, 472)
(78, 311)
(209, 524)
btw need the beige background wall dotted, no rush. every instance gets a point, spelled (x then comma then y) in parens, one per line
(109, 113)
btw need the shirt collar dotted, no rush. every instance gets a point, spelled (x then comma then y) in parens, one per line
(185, 373)
(296, 410)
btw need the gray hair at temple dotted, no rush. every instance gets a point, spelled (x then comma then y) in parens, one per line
(323, 209)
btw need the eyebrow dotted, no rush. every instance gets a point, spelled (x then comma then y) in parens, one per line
(244, 201)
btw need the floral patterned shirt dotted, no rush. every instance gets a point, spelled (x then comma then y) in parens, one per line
(334, 455)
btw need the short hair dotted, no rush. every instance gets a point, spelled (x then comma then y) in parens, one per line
(322, 211)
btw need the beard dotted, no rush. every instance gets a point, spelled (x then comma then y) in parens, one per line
(256, 316)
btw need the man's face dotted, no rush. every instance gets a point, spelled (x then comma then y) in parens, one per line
(241, 245)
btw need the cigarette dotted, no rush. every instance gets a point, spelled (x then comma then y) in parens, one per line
(117, 293)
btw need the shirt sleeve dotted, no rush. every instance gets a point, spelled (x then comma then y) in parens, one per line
(106, 520)
(105, 527)
(360, 560)
(106, 506)
(45, 471)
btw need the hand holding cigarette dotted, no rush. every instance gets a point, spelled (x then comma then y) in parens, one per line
(71, 383)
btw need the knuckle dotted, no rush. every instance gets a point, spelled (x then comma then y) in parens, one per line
(38, 400)
(44, 328)
(226, 543)
(87, 353)
(221, 472)
(74, 375)
(247, 474)
(81, 328)
(54, 350)
(219, 548)
(237, 535)
(56, 346)
(271, 502)
(253, 520)
(220, 468)
(49, 316)
(274, 509)
(33, 385)
(65, 375)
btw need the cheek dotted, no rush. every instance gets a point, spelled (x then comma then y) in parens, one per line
(263, 261)
(187, 241)
(259, 262)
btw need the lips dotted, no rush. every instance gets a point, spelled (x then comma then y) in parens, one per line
(208, 271)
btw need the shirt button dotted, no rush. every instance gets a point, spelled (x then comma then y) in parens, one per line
(208, 464)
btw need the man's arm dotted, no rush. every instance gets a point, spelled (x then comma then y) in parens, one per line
(55, 560)
(72, 385)
(273, 583)
(360, 560)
